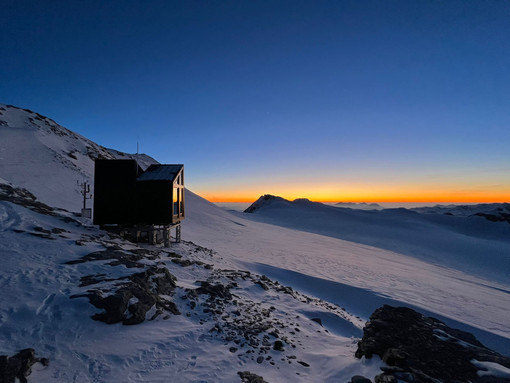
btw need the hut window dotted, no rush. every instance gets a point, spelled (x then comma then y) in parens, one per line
(176, 201)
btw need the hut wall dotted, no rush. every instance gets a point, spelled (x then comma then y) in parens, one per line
(154, 204)
(114, 192)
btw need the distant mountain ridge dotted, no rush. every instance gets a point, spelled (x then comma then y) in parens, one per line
(495, 212)
(359, 205)
(271, 200)
(55, 157)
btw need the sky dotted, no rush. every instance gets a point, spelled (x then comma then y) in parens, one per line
(375, 101)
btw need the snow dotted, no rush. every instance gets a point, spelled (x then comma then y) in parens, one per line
(471, 244)
(491, 369)
(343, 269)
(37, 312)
(452, 268)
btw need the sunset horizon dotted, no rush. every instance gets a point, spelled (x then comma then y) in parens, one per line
(255, 191)
(219, 200)
(452, 198)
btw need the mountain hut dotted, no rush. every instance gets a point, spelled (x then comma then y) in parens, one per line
(127, 196)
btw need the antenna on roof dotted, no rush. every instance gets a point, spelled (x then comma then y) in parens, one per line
(137, 137)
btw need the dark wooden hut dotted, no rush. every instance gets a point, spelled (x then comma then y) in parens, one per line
(124, 194)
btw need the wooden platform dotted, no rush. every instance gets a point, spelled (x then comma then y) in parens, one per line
(152, 234)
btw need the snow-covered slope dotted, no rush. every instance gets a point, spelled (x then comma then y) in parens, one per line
(228, 324)
(47, 159)
(48, 259)
(469, 243)
(342, 272)
(241, 286)
(466, 210)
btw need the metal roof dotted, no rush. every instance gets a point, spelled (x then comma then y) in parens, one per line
(160, 173)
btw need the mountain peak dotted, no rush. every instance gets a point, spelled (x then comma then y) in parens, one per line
(264, 200)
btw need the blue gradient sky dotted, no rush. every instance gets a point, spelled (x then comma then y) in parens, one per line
(332, 100)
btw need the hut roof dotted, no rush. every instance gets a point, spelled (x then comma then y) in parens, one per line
(160, 173)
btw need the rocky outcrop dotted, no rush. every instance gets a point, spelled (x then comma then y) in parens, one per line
(23, 197)
(138, 299)
(18, 367)
(117, 256)
(496, 217)
(420, 349)
(248, 377)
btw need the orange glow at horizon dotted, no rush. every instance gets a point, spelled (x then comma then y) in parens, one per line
(374, 195)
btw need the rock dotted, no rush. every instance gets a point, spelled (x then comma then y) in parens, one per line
(182, 262)
(18, 367)
(260, 359)
(303, 363)
(394, 357)
(23, 197)
(278, 345)
(317, 320)
(360, 379)
(214, 291)
(385, 378)
(248, 377)
(421, 349)
(117, 257)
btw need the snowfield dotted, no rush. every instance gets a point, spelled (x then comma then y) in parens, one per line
(324, 266)
(263, 293)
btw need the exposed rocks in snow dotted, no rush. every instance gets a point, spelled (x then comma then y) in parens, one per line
(251, 329)
(423, 350)
(187, 262)
(118, 256)
(360, 379)
(129, 299)
(217, 291)
(248, 377)
(139, 295)
(18, 367)
(249, 325)
(23, 197)
(499, 216)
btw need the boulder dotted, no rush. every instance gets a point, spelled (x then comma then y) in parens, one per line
(420, 349)
(18, 367)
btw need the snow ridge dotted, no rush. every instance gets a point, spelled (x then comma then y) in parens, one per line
(47, 159)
